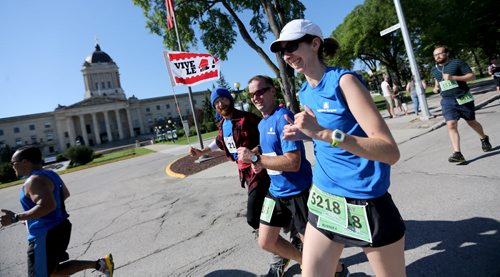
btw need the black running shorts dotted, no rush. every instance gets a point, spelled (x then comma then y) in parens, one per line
(292, 209)
(386, 224)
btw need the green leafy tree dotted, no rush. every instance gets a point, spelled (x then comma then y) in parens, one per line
(359, 38)
(220, 22)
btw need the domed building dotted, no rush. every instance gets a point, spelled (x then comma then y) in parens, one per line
(104, 118)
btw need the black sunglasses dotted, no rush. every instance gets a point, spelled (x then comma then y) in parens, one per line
(259, 92)
(293, 45)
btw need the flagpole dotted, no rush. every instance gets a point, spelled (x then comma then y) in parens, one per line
(190, 92)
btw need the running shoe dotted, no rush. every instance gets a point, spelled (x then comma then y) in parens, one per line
(457, 157)
(344, 273)
(106, 265)
(277, 269)
(485, 144)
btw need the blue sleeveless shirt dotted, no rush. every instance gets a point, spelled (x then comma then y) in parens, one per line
(40, 226)
(336, 170)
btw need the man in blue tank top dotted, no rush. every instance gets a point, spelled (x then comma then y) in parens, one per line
(49, 230)
(289, 170)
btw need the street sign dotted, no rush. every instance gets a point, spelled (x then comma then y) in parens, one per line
(390, 29)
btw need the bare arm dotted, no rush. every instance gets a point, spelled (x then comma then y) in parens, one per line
(195, 152)
(288, 162)
(464, 78)
(39, 189)
(378, 146)
(436, 86)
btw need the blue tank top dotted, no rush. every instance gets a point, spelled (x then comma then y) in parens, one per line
(336, 170)
(40, 226)
(283, 184)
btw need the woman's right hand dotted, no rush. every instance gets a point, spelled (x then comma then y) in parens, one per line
(291, 132)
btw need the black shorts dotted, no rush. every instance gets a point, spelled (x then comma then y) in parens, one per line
(292, 209)
(45, 253)
(255, 200)
(386, 224)
(497, 81)
(453, 111)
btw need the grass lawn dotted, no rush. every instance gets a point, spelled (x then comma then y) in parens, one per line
(104, 159)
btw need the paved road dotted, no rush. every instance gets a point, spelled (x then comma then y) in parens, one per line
(156, 225)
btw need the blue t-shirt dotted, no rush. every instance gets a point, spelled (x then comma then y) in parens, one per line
(336, 170)
(283, 184)
(227, 132)
(40, 226)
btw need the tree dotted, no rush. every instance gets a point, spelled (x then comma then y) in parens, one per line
(359, 38)
(468, 27)
(219, 22)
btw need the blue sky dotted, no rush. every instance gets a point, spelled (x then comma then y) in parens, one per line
(44, 44)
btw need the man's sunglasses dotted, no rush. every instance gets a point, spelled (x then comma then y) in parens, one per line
(258, 93)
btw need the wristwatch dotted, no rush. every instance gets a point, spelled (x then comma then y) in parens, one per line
(14, 218)
(337, 137)
(255, 159)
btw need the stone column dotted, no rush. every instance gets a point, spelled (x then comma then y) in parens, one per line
(108, 127)
(97, 132)
(141, 125)
(60, 134)
(130, 125)
(71, 129)
(84, 130)
(119, 122)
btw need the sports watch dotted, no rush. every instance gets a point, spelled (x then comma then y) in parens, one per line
(255, 159)
(337, 137)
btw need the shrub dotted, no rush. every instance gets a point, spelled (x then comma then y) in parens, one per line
(61, 158)
(79, 154)
(7, 173)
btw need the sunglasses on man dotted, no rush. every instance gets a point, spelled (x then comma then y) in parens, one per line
(258, 93)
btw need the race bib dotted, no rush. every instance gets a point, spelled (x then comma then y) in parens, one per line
(230, 145)
(267, 210)
(448, 84)
(329, 206)
(348, 219)
(270, 171)
(466, 98)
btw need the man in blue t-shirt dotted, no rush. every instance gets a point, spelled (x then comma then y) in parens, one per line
(451, 77)
(42, 198)
(289, 170)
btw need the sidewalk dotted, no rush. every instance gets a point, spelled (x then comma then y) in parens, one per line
(407, 127)
(403, 128)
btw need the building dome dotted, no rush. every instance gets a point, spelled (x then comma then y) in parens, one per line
(98, 56)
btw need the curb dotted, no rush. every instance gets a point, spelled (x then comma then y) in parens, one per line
(170, 173)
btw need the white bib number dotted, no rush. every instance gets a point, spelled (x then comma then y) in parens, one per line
(230, 145)
(270, 171)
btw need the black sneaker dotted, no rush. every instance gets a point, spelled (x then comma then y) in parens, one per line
(277, 269)
(485, 144)
(457, 157)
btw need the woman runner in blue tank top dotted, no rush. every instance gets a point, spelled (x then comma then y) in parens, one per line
(349, 201)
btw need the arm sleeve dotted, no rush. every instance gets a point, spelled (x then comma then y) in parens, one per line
(213, 146)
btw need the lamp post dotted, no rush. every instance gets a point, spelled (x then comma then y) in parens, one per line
(237, 102)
